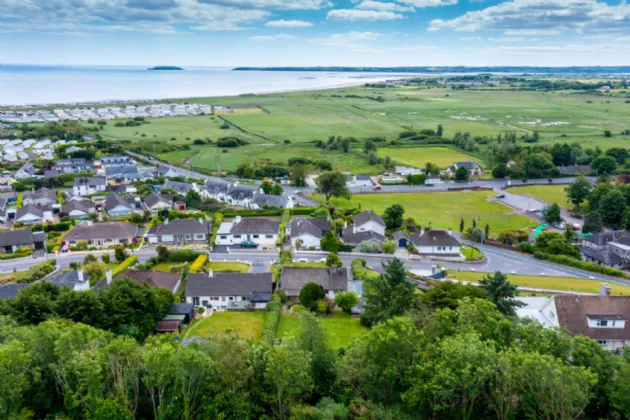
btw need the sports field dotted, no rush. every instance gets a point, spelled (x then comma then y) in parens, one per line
(419, 156)
(444, 210)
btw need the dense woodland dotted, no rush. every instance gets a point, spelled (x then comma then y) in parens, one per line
(455, 351)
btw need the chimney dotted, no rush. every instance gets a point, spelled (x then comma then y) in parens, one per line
(604, 289)
(80, 275)
(421, 231)
(166, 221)
(108, 277)
(345, 224)
(210, 273)
(200, 220)
(237, 220)
(450, 232)
(354, 229)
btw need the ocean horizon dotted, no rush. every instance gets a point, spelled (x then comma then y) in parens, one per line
(45, 85)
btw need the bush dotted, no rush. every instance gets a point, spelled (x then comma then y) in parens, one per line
(182, 255)
(272, 317)
(282, 295)
(333, 259)
(199, 262)
(105, 258)
(389, 247)
(217, 218)
(526, 247)
(201, 310)
(540, 255)
(310, 294)
(346, 300)
(119, 253)
(573, 262)
(124, 265)
(297, 309)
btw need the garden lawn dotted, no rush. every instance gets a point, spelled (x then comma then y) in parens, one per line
(547, 193)
(444, 210)
(340, 328)
(548, 282)
(164, 266)
(229, 266)
(420, 156)
(248, 325)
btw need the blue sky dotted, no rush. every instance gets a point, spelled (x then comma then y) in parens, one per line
(315, 32)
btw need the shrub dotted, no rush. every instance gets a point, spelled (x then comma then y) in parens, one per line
(573, 262)
(346, 300)
(199, 262)
(540, 255)
(321, 306)
(119, 253)
(526, 247)
(124, 265)
(272, 317)
(310, 294)
(297, 309)
(182, 255)
(217, 218)
(282, 295)
(333, 259)
(105, 258)
(389, 247)
(201, 310)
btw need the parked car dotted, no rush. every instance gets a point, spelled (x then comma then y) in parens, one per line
(500, 196)
(249, 244)
(428, 185)
(322, 260)
(302, 260)
(377, 188)
(65, 248)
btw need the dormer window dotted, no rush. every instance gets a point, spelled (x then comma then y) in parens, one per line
(606, 321)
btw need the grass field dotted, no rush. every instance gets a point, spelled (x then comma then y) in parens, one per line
(248, 325)
(418, 157)
(547, 193)
(444, 209)
(229, 266)
(340, 329)
(549, 282)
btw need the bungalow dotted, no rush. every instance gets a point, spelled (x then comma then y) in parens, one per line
(180, 231)
(168, 172)
(13, 240)
(169, 281)
(406, 171)
(309, 232)
(332, 279)
(436, 243)
(116, 206)
(73, 166)
(363, 181)
(603, 318)
(610, 248)
(121, 189)
(102, 234)
(33, 215)
(156, 202)
(123, 172)
(473, 168)
(263, 232)
(87, 186)
(73, 279)
(216, 188)
(41, 197)
(262, 200)
(116, 160)
(181, 188)
(26, 171)
(368, 228)
(78, 209)
(432, 180)
(243, 195)
(229, 290)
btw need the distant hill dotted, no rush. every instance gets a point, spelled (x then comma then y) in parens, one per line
(165, 68)
(436, 69)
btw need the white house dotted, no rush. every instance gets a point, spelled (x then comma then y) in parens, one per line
(73, 279)
(87, 186)
(406, 171)
(436, 243)
(41, 197)
(368, 228)
(309, 232)
(26, 171)
(261, 231)
(179, 231)
(363, 181)
(34, 215)
(118, 206)
(602, 318)
(229, 290)
(78, 209)
(102, 235)
(156, 202)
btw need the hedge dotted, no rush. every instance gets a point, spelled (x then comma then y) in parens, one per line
(124, 265)
(217, 218)
(199, 262)
(20, 201)
(15, 255)
(250, 213)
(286, 216)
(573, 262)
(183, 255)
(303, 211)
(272, 317)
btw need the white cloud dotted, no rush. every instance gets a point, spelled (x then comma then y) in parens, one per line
(354, 15)
(542, 16)
(271, 37)
(428, 3)
(531, 32)
(507, 39)
(272, 4)
(470, 38)
(383, 6)
(351, 39)
(288, 24)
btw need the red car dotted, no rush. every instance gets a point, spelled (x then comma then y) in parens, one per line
(377, 188)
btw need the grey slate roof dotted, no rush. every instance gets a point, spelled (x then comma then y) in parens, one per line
(30, 209)
(105, 230)
(270, 200)
(364, 178)
(293, 279)
(366, 216)
(89, 181)
(228, 284)
(86, 206)
(399, 234)
(121, 171)
(9, 291)
(153, 198)
(28, 168)
(46, 193)
(468, 164)
(181, 187)
(302, 226)
(256, 225)
(242, 192)
(355, 238)
(604, 257)
(181, 227)
(70, 279)
(435, 237)
(19, 237)
(115, 200)
(216, 186)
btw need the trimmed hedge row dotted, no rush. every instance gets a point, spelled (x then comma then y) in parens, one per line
(272, 318)
(183, 255)
(253, 213)
(217, 218)
(303, 211)
(124, 265)
(199, 262)
(572, 262)
(15, 255)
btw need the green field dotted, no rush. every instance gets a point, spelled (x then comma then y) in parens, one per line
(547, 193)
(444, 210)
(229, 266)
(548, 282)
(340, 329)
(420, 156)
(248, 325)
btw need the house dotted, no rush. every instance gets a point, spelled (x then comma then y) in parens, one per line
(474, 169)
(10, 291)
(332, 279)
(368, 228)
(401, 238)
(186, 309)
(349, 180)
(170, 281)
(52, 173)
(181, 188)
(180, 231)
(102, 235)
(13, 240)
(73, 166)
(126, 173)
(262, 201)
(391, 179)
(363, 181)
(601, 317)
(242, 195)
(89, 185)
(122, 189)
(33, 215)
(229, 290)
(156, 202)
(606, 248)
(406, 171)
(309, 232)
(73, 279)
(26, 171)
(116, 160)
(603, 89)
(168, 172)
(263, 232)
(432, 180)
(41, 197)
(77, 209)
(437, 243)
(73, 149)
(116, 206)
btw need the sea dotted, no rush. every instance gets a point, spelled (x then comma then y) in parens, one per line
(47, 85)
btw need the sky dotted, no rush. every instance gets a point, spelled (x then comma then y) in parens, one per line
(220, 33)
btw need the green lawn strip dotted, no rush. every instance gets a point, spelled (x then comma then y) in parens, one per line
(340, 328)
(472, 253)
(548, 282)
(16, 276)
(229, 266)
(420, 156)
(247, 325)
(165, 266)
(443, 209)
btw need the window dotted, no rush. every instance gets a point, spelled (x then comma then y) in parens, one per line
(269, 236)
(200, 236)
(108, 240)
(255, 236)
(222, 298)
(602, 323)
(237, 236)
(204, 303)
(231, 298)
(223, 237)
(450, 248)
(602, 342)
(196, 301)
(244, 298)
